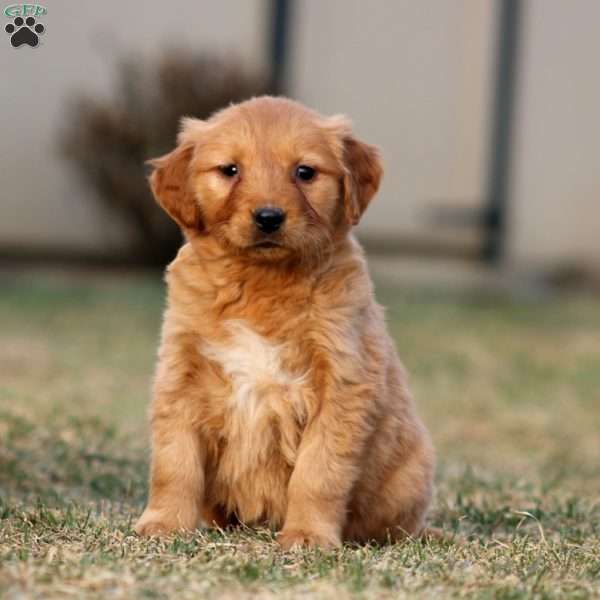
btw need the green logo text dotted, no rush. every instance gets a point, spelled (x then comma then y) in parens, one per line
(25, 10)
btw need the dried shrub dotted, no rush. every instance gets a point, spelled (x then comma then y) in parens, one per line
(109, 140)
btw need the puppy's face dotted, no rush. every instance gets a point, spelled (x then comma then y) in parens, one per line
(267, 178)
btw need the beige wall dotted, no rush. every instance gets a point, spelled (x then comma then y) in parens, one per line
(414, 77)
(555, 215)
(41, 200)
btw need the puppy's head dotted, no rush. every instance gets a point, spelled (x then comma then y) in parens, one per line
(267, 178)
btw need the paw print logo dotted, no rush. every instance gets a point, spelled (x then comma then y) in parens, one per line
(24, 32)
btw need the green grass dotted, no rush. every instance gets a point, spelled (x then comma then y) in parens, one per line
(510, 392)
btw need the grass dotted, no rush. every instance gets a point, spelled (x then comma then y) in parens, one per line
(510, 391)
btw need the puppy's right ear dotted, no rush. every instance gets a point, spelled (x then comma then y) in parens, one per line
(171, 186)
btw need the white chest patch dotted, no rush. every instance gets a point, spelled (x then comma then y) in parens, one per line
(263, 392)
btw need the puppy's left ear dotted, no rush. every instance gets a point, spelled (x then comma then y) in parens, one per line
(364, 170)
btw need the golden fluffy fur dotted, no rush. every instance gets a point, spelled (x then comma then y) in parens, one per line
(279, 397)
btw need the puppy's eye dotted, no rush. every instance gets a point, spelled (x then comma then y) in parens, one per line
(305, 173)
(229, 170)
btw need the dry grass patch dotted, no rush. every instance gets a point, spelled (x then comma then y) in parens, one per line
(510, 391)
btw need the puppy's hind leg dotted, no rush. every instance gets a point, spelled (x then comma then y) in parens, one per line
(397, 510)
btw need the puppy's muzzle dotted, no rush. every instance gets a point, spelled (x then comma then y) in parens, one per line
(269, 219)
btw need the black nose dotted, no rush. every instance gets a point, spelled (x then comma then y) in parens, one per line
(269, 219)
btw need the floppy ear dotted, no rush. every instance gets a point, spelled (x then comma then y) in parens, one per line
(170, 185)
(364, 170)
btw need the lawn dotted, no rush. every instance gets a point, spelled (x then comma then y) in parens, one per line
(510, 391)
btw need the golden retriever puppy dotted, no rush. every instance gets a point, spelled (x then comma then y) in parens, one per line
(279, 398)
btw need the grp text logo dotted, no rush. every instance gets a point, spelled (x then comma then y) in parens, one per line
(25, 29)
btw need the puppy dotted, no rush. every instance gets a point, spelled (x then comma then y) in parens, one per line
(279, 398)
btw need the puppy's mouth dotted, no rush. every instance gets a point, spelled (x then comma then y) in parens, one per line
(266, 245)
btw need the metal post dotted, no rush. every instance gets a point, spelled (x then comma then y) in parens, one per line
(498, 184)
(280, 19)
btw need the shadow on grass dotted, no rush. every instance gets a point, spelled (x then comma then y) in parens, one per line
(70, 458)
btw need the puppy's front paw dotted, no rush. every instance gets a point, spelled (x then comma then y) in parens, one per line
(156, 523)
(297, 538)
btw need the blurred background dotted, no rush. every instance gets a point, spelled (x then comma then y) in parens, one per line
(486, 112)
(484, 241)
